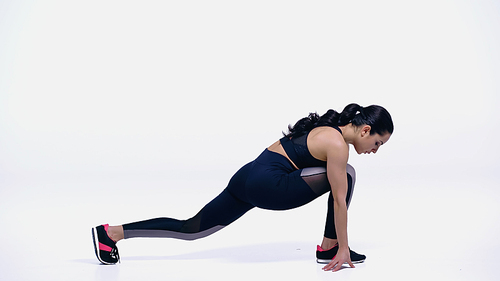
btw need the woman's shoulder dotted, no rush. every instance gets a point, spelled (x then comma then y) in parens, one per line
(327, 134)
(325, 140)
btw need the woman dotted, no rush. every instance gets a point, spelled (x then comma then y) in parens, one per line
(306, 163)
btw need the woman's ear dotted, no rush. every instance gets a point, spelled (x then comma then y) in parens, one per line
(365, 131)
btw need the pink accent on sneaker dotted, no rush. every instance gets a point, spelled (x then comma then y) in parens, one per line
(106, 226)
(321, 249)
(104, 247)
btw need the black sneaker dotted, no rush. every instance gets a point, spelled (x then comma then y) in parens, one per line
(105, 248)
(326, 256)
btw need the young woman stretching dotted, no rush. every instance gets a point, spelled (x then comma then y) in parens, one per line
(306, 163)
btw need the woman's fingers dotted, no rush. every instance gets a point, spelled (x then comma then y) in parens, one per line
(336, 265)
(330, 266)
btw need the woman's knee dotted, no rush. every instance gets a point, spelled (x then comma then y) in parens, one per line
(321, 170)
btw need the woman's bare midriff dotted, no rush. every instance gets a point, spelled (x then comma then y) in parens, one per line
(278, 148)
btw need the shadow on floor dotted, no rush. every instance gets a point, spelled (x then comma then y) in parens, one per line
(269, 252)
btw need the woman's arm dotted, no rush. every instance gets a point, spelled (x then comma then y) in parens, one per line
(337, 154)
(337, 176)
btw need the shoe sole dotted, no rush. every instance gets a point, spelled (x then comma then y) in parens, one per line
(328, 261)
(96, 247)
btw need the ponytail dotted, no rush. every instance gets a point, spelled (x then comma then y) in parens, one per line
(376, 116)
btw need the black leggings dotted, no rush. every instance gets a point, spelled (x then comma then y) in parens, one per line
(270, 182)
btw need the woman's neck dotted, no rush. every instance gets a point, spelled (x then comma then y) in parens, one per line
(348, 132)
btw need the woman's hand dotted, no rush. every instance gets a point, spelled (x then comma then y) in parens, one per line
(343, 256)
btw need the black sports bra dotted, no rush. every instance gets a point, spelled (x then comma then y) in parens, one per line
(296, 149)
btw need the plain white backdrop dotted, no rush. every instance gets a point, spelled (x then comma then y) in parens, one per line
(116, 111)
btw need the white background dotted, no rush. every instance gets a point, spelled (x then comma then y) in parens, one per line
(116, 111)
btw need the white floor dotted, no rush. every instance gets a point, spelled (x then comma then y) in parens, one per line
(408, 232)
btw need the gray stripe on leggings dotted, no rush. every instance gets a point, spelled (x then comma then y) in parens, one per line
(157, 233)
(312, 171)
(306, 172)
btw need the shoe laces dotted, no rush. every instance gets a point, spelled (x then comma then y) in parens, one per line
(114, 254)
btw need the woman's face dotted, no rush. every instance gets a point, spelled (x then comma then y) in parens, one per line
(366, 143)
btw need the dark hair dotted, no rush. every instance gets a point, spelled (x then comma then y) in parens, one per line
(377, 117)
